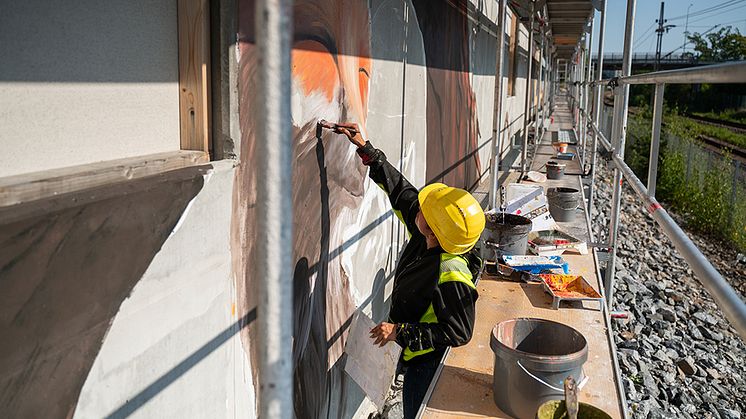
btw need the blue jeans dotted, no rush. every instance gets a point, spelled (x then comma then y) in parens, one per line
(417, 378)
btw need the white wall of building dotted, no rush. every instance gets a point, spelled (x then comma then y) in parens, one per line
(84, 81)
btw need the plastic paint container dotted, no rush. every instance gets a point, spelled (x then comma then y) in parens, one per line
(555, 170)
(563, 203)
(532, 359)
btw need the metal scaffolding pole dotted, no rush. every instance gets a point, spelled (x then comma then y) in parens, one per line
(655, 138)
(538, 128)
(588, 76)
(598, 105)
(527, 103)
(547, 85)
(497, 143)
(732, 72)
(576, 88)
(621, 100)
(275, 295)
(581, 100)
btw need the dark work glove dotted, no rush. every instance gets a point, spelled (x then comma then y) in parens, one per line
(370, 154)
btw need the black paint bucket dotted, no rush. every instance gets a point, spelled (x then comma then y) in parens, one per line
(555, 170)
(563, 203)
(507, 234)
(532, 359)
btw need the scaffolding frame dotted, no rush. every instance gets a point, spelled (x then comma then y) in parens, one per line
(726, 298)
(587, 115)
(586, 112)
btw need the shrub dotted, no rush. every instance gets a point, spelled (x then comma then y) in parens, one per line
(698, 186)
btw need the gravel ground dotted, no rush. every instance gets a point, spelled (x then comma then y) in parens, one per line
(678, 355)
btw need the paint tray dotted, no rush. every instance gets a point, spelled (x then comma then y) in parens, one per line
(535, 264)
(554, 243)
(568, 288)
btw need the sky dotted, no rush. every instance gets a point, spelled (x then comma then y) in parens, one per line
(725, 12)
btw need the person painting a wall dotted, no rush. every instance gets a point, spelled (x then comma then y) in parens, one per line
(432, 302)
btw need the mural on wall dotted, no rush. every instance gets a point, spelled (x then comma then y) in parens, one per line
(451, 105)
(332, 77)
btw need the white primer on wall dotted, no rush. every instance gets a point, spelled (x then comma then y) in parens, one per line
(173, 350)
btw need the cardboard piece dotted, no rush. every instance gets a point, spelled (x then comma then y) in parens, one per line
(530, 202)
(369, 365)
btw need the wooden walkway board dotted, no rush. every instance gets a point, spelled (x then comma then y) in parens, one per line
(464, 388)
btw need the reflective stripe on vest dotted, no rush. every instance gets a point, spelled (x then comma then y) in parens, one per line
(453, 268)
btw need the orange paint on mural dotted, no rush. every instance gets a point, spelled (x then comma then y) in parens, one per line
(315, 68)
(363, 78)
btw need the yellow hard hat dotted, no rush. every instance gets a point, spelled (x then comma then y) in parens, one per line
(453, 215)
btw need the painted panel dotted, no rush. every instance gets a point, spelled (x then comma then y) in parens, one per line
(421, 86)
(173, 350)
(107, 312)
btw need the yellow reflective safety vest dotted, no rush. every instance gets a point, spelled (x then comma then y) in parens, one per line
(453, 268)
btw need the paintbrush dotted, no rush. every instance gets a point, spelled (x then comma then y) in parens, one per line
(323, 123)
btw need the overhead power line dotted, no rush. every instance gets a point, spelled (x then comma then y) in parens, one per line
(642, 36)
(740, 6)
(682, 45)
(708, 10)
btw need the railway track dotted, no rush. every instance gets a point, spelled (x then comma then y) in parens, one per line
(734, 126)
(720, 146)
(711, 143)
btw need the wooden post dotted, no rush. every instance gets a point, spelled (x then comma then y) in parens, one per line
(194, 76)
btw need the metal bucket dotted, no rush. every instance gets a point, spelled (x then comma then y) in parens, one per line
(507, 234)
(532, 359)
(555, 170)
(563, 203)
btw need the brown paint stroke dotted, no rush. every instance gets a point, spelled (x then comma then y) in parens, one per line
(451, 103)
(329, 69)
(63, 277)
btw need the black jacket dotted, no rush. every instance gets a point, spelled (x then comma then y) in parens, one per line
(418, 272)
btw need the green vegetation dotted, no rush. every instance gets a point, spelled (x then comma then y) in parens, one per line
(723, 45)
(684, 127)
(726, 44)
(705, 199)
(698, 184)
(728, 115)
(698, 187)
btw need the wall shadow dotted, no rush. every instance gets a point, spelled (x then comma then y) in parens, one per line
(64, 276)
(152, 390)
